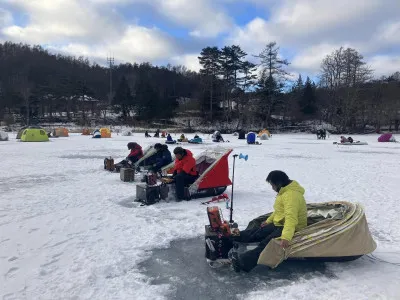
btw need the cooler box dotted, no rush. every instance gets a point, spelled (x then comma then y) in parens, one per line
(127, 174)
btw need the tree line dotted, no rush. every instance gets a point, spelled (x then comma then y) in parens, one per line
(37, 86)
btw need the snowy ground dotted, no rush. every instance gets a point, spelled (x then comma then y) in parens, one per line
(68, 229)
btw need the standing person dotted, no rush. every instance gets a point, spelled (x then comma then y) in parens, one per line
(289, 216)
(184, 171)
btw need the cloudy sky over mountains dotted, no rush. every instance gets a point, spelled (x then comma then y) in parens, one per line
(174, 31)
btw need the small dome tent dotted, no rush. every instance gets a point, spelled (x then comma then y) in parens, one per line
(3, 136)
(105, 132)
(61, 132)
(264, 131)
(386, 137)
(34, 135)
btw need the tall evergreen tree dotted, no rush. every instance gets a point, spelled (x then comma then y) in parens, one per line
(209, 60)
(308, 99)
(272, 80)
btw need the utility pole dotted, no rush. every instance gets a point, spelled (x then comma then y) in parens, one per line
(110, 61)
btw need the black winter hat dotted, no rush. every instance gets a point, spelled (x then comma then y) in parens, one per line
(179, 150)
(157, 146)
(278, 178)
(131, 145)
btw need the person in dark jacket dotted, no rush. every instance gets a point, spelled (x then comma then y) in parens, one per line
(162, 157)
(184, 171)
(146, 134)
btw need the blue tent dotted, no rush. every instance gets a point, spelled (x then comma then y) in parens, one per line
(251, 138)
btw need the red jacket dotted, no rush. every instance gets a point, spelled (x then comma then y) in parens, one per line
(186, 164)
(136, 152)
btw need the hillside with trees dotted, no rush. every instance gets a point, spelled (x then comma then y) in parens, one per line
(38, 86)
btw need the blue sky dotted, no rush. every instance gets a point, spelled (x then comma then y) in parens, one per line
(175, 31)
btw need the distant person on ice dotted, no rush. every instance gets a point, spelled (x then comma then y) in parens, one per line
(184, 171)
(146, 134)
(289, 216)
(346, 140)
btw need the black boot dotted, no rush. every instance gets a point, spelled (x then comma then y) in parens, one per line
(236, 262)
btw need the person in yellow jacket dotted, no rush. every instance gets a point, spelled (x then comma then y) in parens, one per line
(289, 216)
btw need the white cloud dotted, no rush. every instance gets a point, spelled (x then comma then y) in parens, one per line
(205, 18)
(314, 28)
(309, 60)
(58, 21)
(385, 65)
(191, 61)
(6, 18)
(91, 30)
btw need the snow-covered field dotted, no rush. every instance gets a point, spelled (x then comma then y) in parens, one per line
(68, 229)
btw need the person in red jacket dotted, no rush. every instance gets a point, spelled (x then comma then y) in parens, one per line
(184, 171)
(136, 152)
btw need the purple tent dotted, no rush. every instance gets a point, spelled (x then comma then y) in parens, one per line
(385, 138)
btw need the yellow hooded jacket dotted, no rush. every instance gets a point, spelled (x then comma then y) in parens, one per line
(290, 210)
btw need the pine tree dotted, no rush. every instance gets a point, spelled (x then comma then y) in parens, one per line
(209, 60)
(308, 99)
(272, 80)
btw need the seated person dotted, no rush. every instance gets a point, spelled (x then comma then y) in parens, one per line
(182, 138)
(135, 154)
(184, 171)
(146, 134)
(350, 139)
(162, 157)
(289, 216)
(169, 139)
(218, 137)
(343, 139)
(157, 134)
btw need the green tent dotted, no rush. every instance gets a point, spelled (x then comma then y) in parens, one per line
(34, 135)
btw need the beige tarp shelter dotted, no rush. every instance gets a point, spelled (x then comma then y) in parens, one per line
(335, 230)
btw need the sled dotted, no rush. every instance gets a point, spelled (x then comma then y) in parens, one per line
(213, 169)
(351, 144)
(336, 232)
(147, 153)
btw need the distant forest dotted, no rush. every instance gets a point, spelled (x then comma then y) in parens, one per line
(38, 86)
